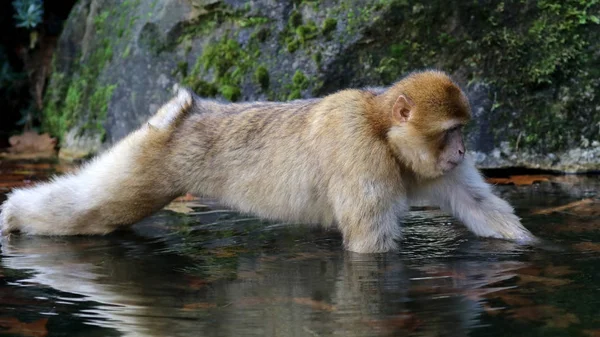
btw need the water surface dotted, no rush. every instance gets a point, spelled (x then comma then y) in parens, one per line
(199, 269)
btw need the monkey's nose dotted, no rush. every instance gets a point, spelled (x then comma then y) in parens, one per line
(461, 152)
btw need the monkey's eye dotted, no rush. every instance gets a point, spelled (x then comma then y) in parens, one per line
(455, 128)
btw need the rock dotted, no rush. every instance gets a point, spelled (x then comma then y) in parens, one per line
(533, 93)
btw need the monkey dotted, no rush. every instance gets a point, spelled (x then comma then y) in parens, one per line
(355, 159)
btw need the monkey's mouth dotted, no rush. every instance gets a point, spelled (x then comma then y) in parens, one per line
(449, 165)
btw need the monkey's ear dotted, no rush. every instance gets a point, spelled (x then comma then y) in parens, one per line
(402, 109)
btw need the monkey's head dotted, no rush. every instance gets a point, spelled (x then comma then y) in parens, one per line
(427, 111)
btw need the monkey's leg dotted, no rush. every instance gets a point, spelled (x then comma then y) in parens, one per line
(368, 220)
(121, 186)
(465, 194)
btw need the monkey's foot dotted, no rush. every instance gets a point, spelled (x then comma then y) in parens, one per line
(371, 244)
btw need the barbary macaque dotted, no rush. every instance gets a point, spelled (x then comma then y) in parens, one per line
(354, 159)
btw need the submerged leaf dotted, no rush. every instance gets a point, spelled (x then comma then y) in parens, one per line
(571, 205)
(13, 326)
(519, 180)
(587, 246)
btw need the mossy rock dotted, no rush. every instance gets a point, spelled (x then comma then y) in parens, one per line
(529, 68)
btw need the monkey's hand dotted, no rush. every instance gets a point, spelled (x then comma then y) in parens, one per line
(465, 194)
(123, 185)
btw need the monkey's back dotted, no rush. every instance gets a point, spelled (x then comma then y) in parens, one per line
(256, 157)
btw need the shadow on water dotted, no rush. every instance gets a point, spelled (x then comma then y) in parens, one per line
(213, 272)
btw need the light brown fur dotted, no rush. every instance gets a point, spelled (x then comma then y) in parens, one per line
(342, 160)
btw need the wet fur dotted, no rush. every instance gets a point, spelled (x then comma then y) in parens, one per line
(339, 160)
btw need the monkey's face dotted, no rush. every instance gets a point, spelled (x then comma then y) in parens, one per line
(451, 149)
(428, 155)
(427, 120)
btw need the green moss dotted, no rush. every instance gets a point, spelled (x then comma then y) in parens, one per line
(295, 19)
(260, 34)
(295, 94)
(329, 25)
(300, 80)
(293, 45)
(299, 83)
(306, 32)
(228, 62)
(296, 33)
(81, 96)
(202, 87)
(253, 21)
(261, 76)
(99, 108)
(317, 57)
(182, 68)
(230, 92)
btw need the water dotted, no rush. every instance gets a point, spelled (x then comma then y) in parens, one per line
(213, 272)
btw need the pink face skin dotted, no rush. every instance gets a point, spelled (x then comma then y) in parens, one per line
(454, 150)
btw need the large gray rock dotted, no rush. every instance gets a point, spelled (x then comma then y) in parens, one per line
(533, 87)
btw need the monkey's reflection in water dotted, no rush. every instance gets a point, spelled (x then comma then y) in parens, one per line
(142, 293)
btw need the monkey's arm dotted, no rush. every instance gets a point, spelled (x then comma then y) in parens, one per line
(120, 187)
(465, 194)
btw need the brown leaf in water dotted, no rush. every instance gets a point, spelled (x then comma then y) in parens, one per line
(33, 166)
(577, 225)
(11, 325)
(305, 301)
(587, 246)
(562, 321)
(314, 304)
(514, 299)
(570, 205)
(186, 197)
(546, 281)
(553, 271)
(591, 333)
(533, 271)
(179, 207)
(492, 311)
(519, 180)
(552, 316)
(31, 145)
(13, 184)
(199, 305)
(405, 321)
(196, 283)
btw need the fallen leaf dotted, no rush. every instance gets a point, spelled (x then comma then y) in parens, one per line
(196, 283)
(533, 271)
(179, 207)
(13, 184)
(316, 305)
(562, 321)
(565, 207)
(405, 321)
(592, 333)
(31, 142)
(199, 305)
(186, 197)
(492, 311)
(519, 180)
(554, 271)
(587, 246)
(547, 281)
(11, 325)
(578, 226)
(552, 316)
(514, 299)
